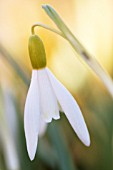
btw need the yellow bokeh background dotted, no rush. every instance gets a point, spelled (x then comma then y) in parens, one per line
(90, 21)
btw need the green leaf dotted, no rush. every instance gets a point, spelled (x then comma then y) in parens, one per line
(58, 142)
(7, 56)
(46, 154)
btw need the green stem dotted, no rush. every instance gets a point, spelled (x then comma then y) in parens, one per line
(79, 48)
(46, 27)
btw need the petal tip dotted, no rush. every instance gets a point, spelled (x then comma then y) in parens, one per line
(31, 154)
(87, 141)
(31, 157)
(56, 117)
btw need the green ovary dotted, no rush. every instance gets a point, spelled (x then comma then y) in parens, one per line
(37, 52)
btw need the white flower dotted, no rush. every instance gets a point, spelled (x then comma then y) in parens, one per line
(42, 105)
(46, 97)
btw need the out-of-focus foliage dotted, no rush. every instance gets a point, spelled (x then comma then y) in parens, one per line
(59, 148)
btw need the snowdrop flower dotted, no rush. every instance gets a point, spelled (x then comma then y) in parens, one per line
(45, 95)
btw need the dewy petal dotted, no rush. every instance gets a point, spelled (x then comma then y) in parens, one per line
(48, 101)
(71, 109)
(32, 116)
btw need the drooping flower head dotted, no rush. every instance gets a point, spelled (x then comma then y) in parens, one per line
(44, 96)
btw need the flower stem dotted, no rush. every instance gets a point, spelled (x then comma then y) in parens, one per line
(46, 27)
(79, 48)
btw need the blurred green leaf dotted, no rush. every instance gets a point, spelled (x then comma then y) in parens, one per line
(58, 142)
(5, 54)
(47, 154)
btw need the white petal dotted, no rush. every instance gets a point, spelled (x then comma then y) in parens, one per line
(60, 108)
(32, 116)
(48, 101)
(71, 109)
(43, 126)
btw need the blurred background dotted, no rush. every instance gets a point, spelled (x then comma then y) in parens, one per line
(59, 148)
